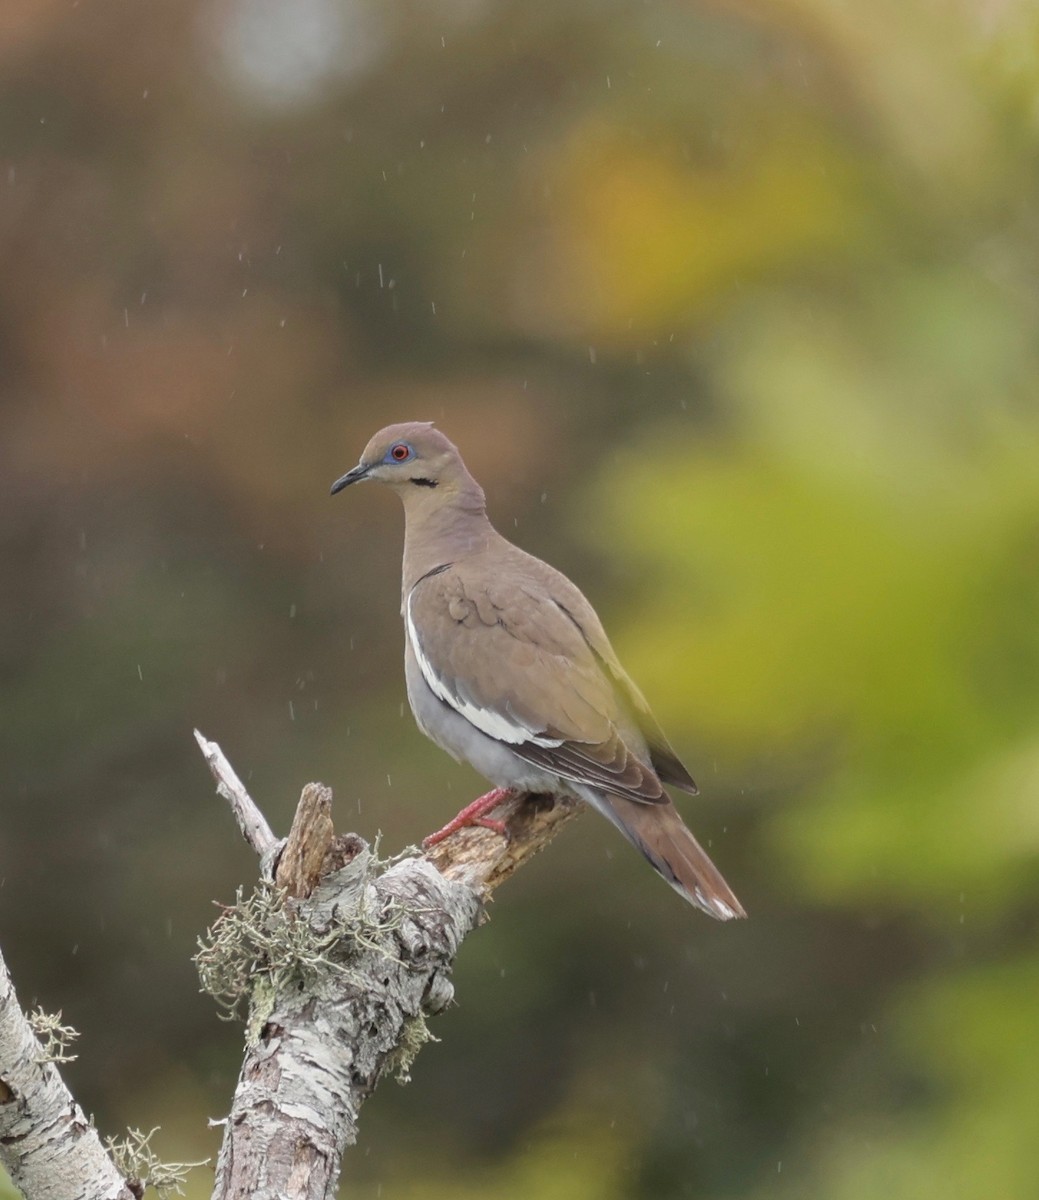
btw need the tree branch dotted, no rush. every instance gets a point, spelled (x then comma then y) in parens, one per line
(251, 822)
(345, 964)
(50, 1149)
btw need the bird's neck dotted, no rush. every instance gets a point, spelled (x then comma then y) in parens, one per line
(442, 529)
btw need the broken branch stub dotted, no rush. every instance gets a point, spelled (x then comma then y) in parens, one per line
(340, 959)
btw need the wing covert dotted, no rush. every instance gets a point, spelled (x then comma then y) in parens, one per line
(511, 661)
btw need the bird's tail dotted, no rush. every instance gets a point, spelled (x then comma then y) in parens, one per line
(659, 832)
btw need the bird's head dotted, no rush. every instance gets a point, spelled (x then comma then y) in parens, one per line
(412, 458)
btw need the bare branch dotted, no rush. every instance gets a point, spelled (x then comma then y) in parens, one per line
(48, 1146)
(310, 843)
(341, 974)
(251, 821)
(482, 859)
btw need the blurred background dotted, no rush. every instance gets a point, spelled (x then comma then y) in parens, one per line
(732, 309)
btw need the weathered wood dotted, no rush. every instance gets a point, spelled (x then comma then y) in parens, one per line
(318, 1051)
(302, 861)
(251, 822)
(316, 1048)
(482, 859)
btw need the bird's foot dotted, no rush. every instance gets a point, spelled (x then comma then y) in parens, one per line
(473, 814)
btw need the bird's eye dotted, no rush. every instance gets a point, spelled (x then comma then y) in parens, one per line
(400, 452)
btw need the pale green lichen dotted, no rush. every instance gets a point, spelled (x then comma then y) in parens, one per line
(263, 945)
(54, 1038)
(413, 1036)
(142, 1168)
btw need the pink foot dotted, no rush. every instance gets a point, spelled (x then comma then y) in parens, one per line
(473, 814)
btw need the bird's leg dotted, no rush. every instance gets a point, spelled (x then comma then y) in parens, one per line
(473, 814)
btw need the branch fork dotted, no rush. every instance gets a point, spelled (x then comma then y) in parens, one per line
(359, 955)
(339, 959)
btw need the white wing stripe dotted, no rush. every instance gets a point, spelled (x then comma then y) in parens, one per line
(493, 724)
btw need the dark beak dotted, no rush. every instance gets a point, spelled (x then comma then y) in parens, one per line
(355, 476)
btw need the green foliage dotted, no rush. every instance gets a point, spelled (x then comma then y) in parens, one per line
(846, 579)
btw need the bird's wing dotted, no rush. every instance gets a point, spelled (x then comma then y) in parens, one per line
(510, 660)
(567, 596)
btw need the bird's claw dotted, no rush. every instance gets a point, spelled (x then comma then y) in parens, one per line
(491, 823)
(472, 814)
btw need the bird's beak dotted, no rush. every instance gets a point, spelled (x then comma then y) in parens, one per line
(354, 476)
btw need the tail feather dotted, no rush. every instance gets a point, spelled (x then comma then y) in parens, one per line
(659, 832)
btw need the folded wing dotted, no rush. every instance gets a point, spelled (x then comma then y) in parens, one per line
(513, 662)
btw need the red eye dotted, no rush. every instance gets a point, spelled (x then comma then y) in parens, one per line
(400, 452)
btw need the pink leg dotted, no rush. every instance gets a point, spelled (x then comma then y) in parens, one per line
(473, 814)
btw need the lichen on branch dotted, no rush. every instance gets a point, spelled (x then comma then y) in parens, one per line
(267, 942)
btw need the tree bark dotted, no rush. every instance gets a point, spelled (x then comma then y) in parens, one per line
(50, 1149)
(378, 947)
(341, 959)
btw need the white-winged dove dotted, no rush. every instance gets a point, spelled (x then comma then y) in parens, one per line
(508, 668)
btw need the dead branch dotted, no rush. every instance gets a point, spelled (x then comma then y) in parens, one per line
(343, 960)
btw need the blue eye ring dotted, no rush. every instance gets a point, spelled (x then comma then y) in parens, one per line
(399, 452)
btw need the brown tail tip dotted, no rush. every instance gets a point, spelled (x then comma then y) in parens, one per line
(659, 832)
(704, 888)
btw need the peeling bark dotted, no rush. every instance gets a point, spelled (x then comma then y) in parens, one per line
(319, 1053)
(314, 1055)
